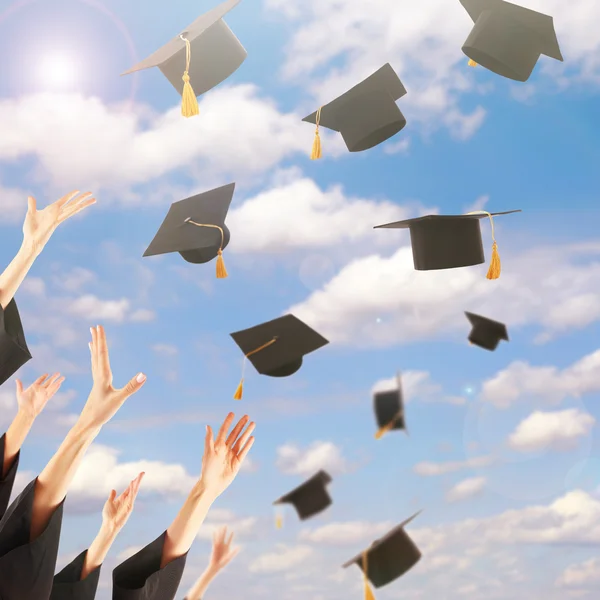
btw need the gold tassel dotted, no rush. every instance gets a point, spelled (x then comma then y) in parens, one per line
(495, 265)
(316, 147)
(368, 591)
(239, 392)
(472, 63)
(386, 428)
(221, 270)
(189, 102)
(278, 521)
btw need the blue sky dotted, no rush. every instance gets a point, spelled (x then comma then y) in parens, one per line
(502, 454)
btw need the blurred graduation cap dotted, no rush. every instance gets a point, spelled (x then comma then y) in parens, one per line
(366, 115)
(486, 333)
(389, 410)
(450, 241)
(388, 558)
(195, 227)
(217, 53)
(276, 348)
(14, 352)
(310, 498)
(508, 39)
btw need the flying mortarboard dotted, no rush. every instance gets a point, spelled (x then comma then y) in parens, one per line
(276, 348)
(14, 352)
(217, 54)
(195, 227)
(486, 333)
(450, 241)
(388, 558)
(508, 39)
(389, 410)
(366, 115)
(310, 498)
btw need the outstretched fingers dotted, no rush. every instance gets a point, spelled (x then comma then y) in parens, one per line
(74, 207)
(67, 198)
(244, 451)
(236, 431)
(102, 352)
(40, 380)
(244, 438)
(224, 429)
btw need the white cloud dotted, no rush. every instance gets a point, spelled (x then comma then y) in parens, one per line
(557, 430)
(418, 385)
(241, 527)
(142, 315)
(378, 301)
(34, 286)
(554, 385)
(583, 574)
(285, 559)
(74, 280)
(430, 469)
(468, 488)
(13, 202)
(165, 349)
(91, 307)
(292, 460)
(342, 534)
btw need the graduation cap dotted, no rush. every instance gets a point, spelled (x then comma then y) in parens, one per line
(486, 333)
(389, 410)
(366, 115)
(388, 558)
(276, 348)
(310, 498)
(217, 54)
(195, 227)
(14, 352)
(508, 39)
(450, 241)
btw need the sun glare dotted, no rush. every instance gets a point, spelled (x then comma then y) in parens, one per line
(58, 71)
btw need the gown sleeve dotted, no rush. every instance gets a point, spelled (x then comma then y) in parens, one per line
(6, 484)
(68, 585)
(13, 347)
(141, 578)
(27, 567)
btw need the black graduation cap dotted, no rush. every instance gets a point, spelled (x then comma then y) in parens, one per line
(449, 241)
(195, 227)
(389, 410)
(216, 52)
(14, 352)
(276, 348)
(388, 558)
(311, 497)
(366, 115)
(509, 39)
(486, 333)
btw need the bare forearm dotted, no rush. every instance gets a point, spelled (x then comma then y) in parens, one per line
(201, 585)
(98, 550)
(53, 482)
(15, 436)
(15, 273)
(184, 528)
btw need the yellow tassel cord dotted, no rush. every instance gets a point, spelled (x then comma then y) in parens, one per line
(189, 102)
(278, 521)
(368, 591)
(221, 270)
(472, 63)
(316, 147)
(240, 388)
(495, 265)
(386, 428)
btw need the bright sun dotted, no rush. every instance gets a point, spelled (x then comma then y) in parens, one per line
(58, 71)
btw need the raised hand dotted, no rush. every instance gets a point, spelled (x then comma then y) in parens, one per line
(40, 224)
(105, 400)
(224, 456)
(33, 400)
(222, 552)
(117, 509)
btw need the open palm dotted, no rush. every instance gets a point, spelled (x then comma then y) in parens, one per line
(117, 509)
(33, 400)
(222, 552)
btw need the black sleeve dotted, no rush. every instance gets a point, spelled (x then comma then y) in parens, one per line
(68, 584)
(27, 568)
(141, 578)
(13, 347)
(6, 484)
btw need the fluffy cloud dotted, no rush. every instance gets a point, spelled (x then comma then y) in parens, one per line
(342, 534)
(552, 384)
(91, 307)
(381, 301)
(583, 574)
(337, 43)
(429, 469)
(417, 385)
(468, 488)
(285, 559)
(165, 349)
(558, 430)
(14, 205)
(218, 517)
(293, 460)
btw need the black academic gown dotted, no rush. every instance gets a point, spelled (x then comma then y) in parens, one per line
(68, 585)
(141, 578)
(13, 347)
(27, 568)
(6, 484)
